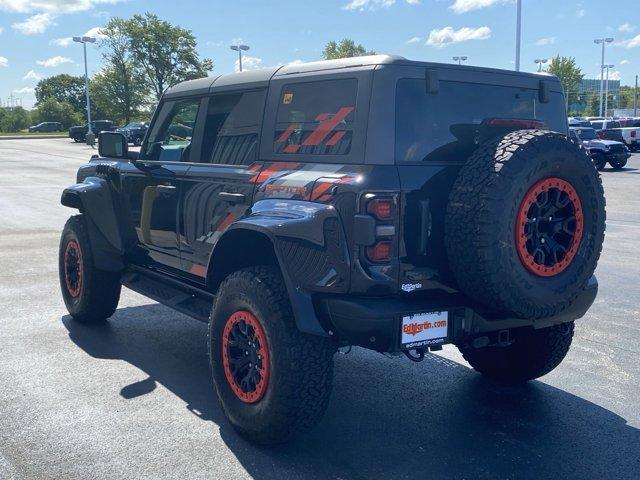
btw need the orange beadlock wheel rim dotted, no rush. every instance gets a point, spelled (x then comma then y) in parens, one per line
(549, 227)
(245, 356)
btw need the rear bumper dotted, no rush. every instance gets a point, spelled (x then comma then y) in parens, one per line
(375, 323)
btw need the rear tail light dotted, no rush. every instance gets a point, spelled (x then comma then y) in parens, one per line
(381, 208)
(380, 252)
(633, 134)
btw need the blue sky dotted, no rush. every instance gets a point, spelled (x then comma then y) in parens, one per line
(34, 34)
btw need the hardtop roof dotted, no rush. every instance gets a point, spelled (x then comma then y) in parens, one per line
(261, 77)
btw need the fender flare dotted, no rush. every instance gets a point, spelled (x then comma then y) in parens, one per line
(293, 220)
(93, 198)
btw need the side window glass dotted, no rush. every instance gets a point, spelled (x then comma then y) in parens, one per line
(316, 118)
(232, 128)
(170, 138)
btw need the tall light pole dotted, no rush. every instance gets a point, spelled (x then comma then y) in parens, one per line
(518, 33)
(540, 61)
(460, 59)
(606, 90)
(84, 40)
(602, 41)
(239, 48)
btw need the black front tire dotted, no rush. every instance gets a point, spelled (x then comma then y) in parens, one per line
(90, 295)
(533, 354)
(600, 162)
(618, 164)
(300, 368)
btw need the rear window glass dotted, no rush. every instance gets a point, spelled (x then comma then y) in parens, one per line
(597, 125)
(449, 125)
(316, 118)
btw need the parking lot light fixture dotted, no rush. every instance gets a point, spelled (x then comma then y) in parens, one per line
(518, 32)
(540, 61)
(84, 40)
(239, 48)
(460, 59)
(606, 89)
(603, 42)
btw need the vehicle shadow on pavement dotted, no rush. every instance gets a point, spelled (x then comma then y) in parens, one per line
(388, 418)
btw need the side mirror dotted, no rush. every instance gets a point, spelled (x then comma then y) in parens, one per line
(113, 145)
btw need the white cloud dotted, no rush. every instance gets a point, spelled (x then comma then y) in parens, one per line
(630, 43)
(614, 75)
(32, 75)
(464, 6)
(4, 62)
(53, 61)
(624, 62)
(210, 43)
(546, 41)
(52, 6)
(1, 30)
(95, 32)
(362, 5)
(581, 12)
(413, 40)
(34, 24)
(447, 35)
(626, 27)
(24, 90)
(61, 42)
(248, 63)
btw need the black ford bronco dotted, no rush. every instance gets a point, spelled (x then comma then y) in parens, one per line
(374, 201)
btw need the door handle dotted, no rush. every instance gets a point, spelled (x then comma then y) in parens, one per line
(232, 197)
(166, 190)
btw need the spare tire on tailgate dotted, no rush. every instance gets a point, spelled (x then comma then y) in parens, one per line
(525, 224)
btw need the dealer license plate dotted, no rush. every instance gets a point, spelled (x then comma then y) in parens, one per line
(424, 329)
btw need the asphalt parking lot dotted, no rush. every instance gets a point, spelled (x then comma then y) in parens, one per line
(133, 399)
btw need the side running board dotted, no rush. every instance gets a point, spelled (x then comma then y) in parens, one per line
(173, 293)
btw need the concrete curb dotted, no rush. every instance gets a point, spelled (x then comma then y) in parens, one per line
(31, 137)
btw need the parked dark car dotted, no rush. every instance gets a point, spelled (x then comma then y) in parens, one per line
(602, 151)
(372, 201)
(79, 133)
(46, 127)
(134, 132)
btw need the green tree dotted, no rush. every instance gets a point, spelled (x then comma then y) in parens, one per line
(51, 110)
(14, 119)
(570, 75)
(116, 96)
(63, 88)
(166, 53)
(119, 89)
(344, 49)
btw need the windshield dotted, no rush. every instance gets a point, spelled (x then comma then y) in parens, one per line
(587, 134)
(597, 125)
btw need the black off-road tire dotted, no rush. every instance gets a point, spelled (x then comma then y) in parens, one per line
(137, 141)
(480, 228)
(533, 354)
(600, 161)
(97, 295)
(300, 365)
(618, 164)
